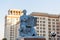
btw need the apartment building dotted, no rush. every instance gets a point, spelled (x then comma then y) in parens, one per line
(10, 23)
(47, 23)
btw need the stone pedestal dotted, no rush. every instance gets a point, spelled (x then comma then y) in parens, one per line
(31, 38)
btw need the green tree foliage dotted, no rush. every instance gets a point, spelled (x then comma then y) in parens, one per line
(4, 39)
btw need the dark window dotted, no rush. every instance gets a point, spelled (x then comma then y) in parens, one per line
(49, 22)
(43, 31)
(49, 38)
(57, 32)
(40, 21)
(49, 25)
(37, 24)
(37, 27)
(44, 28)
(43, 34)
(57, 19)
(53, 25)
(11, 11)
(43, 24)
(40, 24)
(43, 21)
(49, 28)
(49, 19)
(43, 18)
(53, 19)
(53, 22)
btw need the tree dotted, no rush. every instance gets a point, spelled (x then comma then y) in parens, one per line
(4, 39)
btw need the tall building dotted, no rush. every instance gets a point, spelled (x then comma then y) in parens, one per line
(10, 23)
(47, 23)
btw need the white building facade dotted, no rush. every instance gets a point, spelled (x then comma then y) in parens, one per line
(10, 23)
(47, 23)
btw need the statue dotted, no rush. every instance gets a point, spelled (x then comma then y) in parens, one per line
(27, 24)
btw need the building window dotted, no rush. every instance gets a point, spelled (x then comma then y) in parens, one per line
(57, 32)
(37, 21)
(53, 25)
(19, 11)
(12, 33)
(40, 18)
(11, 12)
(43, 18)
(53, 19)
(57, 19)
(58, 35)
(58, 38)
(49, 28)
(37, 34)
(40, 31)
(53, 28)
(37, 27)
(49, 19)
(49, 22)
(58, 29)
(43, 28)
(11, 30)
(37, 24)
(43, 24)
(43, 34)
(40, 24)
(16, 11)
(58, 26)
(40, 21)
(37, 31)
(43, 21)
(49, 25)
(57, 22)
(37, 18)
(53, 22)
(43, 31)
(11, 38)
(49, 38)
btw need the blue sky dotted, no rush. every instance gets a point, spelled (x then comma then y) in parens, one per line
(47, 6)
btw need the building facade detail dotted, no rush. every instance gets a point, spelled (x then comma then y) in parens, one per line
(10, 23)
(47, 23)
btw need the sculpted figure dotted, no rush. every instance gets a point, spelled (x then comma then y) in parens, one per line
(27, 24)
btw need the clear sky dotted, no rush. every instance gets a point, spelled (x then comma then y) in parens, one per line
(47, 6)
